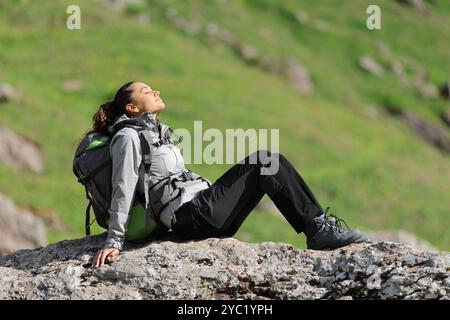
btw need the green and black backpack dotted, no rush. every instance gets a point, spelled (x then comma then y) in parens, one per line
(92, 165)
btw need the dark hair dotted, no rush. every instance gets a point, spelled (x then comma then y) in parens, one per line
(108, 111)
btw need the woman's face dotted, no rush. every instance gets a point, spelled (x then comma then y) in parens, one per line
(144, 99)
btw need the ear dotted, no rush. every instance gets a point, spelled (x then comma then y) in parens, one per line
(131, 108)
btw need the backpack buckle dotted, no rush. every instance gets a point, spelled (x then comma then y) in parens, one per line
(187, 176)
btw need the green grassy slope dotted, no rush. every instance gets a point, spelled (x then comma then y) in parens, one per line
(368, 167)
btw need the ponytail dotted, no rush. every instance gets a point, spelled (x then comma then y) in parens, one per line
(107, 112)
(101, 120)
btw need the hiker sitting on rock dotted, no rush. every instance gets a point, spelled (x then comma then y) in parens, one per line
(147, 167)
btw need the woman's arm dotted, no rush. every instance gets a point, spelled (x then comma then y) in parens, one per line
(126, 159)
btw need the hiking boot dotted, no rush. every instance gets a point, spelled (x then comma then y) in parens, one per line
(326, 232)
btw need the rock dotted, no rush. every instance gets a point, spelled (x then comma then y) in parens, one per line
(212, 29)
(445, 116)
(19, 152)
(402, 236)
(298, 75)
(419, 5)
(72, 85)
(20, 229)
(7, 93)
(224, 268)
(427, 131)
(397, 68)
(304, 18)
(123, 5)
(270, 65)
(371, 66)
(190, 27)
(248, 53)
(445, 90)
(245, 51)
(425, 87)
(320, 25)
(422, 82)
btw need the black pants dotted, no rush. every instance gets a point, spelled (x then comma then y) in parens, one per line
(220, 210)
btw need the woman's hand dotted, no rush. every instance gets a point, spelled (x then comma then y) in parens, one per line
(104, 255)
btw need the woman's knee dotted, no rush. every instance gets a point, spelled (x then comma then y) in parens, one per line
(261, 156)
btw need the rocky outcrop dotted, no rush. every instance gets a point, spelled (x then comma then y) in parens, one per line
(429, 132)
(20, 152)
(224, 268)
(19, 228)
(296, 74)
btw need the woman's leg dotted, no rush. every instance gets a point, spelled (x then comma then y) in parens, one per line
(227, 203)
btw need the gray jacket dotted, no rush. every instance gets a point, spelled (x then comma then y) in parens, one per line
(128, 175)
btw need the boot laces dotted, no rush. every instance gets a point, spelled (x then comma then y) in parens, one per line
(333, 222)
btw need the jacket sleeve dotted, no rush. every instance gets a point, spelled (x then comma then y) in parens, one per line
(126, 158)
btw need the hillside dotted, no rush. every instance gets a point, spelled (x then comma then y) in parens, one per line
(219, 62)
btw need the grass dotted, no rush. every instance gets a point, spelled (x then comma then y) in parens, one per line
(367, 166)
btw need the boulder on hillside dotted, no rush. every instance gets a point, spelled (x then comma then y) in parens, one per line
(7, 93)
(424, 86)
(298, 76)
(19, 228)
(123, 5)
(369, 65)
(224, 268)
(72, 85)
(424, 129)
(419, 5)
(19, 152)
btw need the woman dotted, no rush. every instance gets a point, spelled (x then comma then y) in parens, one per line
(203, 210)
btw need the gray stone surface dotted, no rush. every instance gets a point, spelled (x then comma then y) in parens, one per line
(224, 268)
(19, 229)
(20, 152)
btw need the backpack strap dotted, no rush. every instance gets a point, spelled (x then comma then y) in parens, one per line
(144, 136)
(87, 222)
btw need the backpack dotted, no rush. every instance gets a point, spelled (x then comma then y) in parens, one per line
(92, 165)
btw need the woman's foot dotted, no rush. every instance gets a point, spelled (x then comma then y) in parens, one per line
(326, 232)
